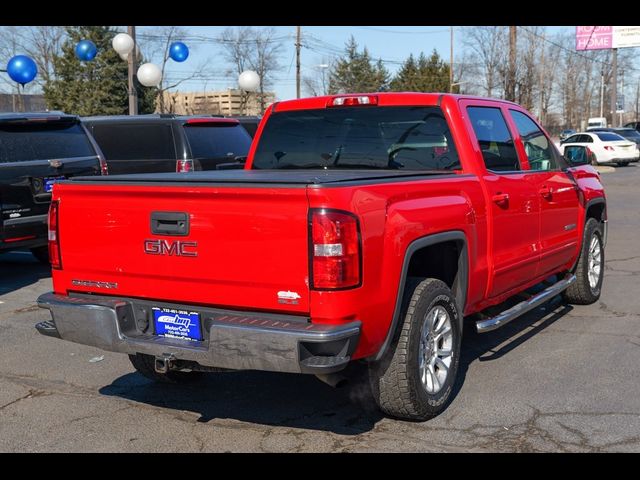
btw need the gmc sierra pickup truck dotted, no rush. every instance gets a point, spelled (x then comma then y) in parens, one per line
(364, 228)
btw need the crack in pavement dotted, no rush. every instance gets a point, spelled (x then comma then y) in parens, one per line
(33, 393)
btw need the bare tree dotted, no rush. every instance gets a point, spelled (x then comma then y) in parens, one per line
(254, 49)
(157, 49)
(488, 44)
(316, 83)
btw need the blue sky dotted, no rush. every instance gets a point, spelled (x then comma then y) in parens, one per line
(391, 43)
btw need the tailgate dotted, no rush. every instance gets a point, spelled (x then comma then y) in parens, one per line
(242, 246)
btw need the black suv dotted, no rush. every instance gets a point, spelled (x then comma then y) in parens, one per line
(37, 149)
(169, 143)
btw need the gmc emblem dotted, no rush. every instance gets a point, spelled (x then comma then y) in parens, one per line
(170, 247)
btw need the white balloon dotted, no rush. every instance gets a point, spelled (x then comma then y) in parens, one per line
(149, 75)
(249, 81)
(122, 43)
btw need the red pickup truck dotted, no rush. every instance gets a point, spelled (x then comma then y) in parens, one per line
(363, 228)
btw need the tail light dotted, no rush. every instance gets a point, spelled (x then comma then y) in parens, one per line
(335, 250)
(54, 238)
(608, 147)
(104, 168)
(352, 101)
(183, 166)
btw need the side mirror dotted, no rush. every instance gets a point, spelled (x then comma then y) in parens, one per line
(577, 155)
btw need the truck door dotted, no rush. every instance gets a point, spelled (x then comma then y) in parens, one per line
(558, 195)
(514, 213)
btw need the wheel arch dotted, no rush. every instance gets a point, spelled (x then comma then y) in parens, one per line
(458, 282)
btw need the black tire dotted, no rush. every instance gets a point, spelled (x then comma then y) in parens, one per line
(41, 254)
(580, 292)
(623, 164)
(144, 364)
(395, 380)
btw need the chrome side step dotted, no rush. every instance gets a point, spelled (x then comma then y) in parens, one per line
(523, 307)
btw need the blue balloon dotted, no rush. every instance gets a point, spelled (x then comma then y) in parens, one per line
(178, 51)
(86, 50)
(22, 69)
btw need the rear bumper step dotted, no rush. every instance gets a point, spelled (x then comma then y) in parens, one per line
(234, 340)
(523, 307)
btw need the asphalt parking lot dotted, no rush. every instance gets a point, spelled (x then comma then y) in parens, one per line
(560, 379)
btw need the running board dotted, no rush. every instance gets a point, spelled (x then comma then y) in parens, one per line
(523, 307)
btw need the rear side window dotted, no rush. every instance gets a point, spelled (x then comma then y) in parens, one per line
(536, 146)
(25, 141)
(403, 138)
(494, 139)
(218, 141)
(135, 142)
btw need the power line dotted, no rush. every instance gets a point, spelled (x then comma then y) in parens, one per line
(399, 32)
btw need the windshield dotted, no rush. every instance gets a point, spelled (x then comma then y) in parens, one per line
(22, 142)
(408, 138)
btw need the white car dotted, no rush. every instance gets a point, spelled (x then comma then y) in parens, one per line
(607, 147)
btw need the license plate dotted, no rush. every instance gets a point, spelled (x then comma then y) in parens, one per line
(48, 183)
(170, 322)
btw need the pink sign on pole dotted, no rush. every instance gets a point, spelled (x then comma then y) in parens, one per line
(594, 38)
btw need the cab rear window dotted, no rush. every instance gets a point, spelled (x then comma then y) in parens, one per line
(398, 138)
(22, 142)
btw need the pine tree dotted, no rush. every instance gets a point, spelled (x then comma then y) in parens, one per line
(355, 72)
(97, 87)
(424, 75)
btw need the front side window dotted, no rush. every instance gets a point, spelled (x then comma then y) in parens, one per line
(494, 139)
(536, 145)
(398, 138)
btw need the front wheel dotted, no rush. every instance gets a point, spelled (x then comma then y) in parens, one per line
(590, 267)
(623, 164)
(415, 379)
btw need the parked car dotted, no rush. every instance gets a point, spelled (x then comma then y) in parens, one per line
(364, 228)
(630, 134)
(635, 125)
(37, 150)
(607, 147)
(169, 143)
(250, 123)
(564, 134)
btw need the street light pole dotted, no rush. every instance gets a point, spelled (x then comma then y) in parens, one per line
(451, 63)
(298, 45)
(131, 61)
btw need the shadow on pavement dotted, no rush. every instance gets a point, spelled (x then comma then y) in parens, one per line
(491, 346)
(19, 269)
(267, 398)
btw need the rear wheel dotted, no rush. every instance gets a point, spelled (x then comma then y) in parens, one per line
(623, 164)
(145, 365)
(42, 254)
(415, 379)
(590, 268)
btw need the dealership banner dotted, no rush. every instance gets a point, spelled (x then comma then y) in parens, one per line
(602, 38)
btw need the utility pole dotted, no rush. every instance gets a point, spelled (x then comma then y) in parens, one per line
(637, 100)
(540, 110)
(622, 95)
(131, 61)
(601, 93)
(451, 64)
(298, 45)
(614, 86)
(510, 90)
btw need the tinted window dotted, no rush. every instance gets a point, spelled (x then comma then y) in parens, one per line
(536, 146)
(494, 139)
(135, 142)
(407, 138)
(609, 137)
(218, 140)
(24, 142)
(629, 134)
(585, 139)
(573, 139)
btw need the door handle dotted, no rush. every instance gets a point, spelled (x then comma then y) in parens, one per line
(546, 192)
(501, 199)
